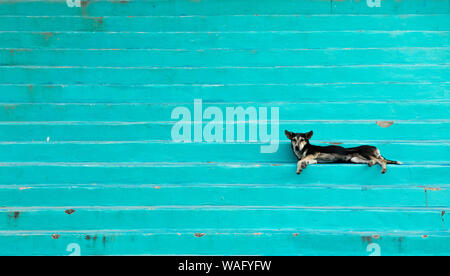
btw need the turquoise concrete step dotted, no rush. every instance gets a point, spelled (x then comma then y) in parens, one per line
(224, 40)
(222, 57)
(226, 23)
(222, 75)
(326, 132)
(142, 112)
(197, 194)
(223, 242)
(196, 152)
(234, 94)
(214, 7)
(204, 174)
(202, 218)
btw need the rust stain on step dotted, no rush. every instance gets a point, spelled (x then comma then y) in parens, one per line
(385, 124)
(14, 215)
(85, 3)
(432, 189)
(10, 106)
(55, 236)
(367, 239)
(332, 143)
(70, 211)
(98, 20)
(199, 235)
(47, 35)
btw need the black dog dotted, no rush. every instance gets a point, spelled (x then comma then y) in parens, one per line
(310, 154)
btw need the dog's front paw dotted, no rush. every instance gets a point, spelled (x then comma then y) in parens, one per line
(304, 165)
(383, 171)
(299, 171)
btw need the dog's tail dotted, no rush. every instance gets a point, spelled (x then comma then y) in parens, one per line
(392, 162)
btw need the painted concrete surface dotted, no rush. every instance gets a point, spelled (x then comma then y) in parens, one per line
(88, 162)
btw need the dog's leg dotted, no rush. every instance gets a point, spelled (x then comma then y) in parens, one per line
(299, 166)
(359, 160)
(304, 162)
(371, 163)
(382, 164)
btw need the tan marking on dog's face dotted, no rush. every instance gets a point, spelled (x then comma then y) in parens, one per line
(298, 143)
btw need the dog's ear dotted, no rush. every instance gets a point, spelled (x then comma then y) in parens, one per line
(309, 134)
(289, 134)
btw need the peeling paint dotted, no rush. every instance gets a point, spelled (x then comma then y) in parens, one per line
(85, 3)
(199, 235)
(385, 124)
(367, 239)
(55, 236)
(332, 143)
(14, 215)
(47, 35)
(70, 211)
(432, 189)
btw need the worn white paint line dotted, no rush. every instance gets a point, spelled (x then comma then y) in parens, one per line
(188, 185)
(228, 207)
(225, 49)
(428, 164)
(225, 231)
(169, 142)
(303, 186)
(224, 84)
(394, 32)
(37, 67)
(399, 102)
(397, 15)
(266, 103)
(119, 123)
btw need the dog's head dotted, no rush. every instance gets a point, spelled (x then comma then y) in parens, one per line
(298, 140)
